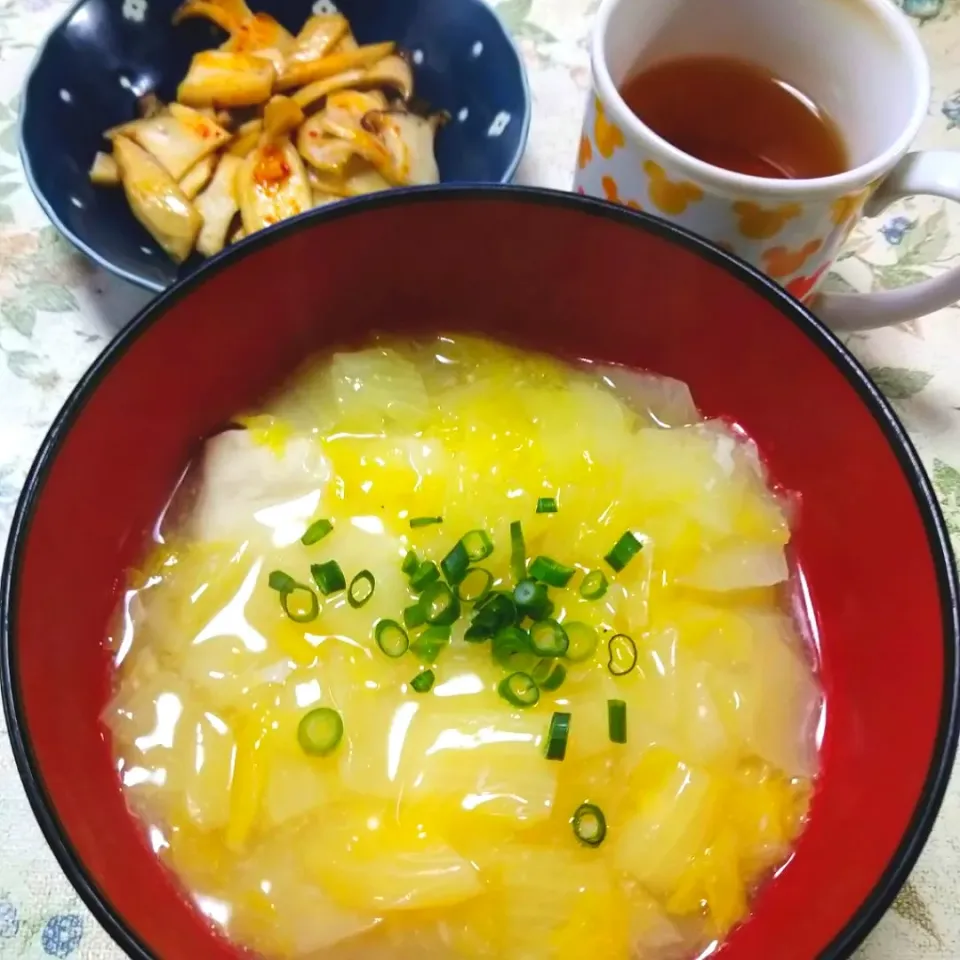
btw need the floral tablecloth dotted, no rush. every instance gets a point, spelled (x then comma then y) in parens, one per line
(57, 312)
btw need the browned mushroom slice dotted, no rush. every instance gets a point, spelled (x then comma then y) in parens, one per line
(263, 36)
(218, 205)
(361, 177)
(227, 14)
(392, 72)
(218, 78)
(149, 105)
(297, 73)
(179, 138)
(271, 182)
(104, 171)
(318, 37)
(342, 119)
(246, 138)
(409, 138)
(328, 183)
(314, 92)
(237, 233)
(198, 176)
(347, 44)
(156, 200)
(321, 199)
(323, 153)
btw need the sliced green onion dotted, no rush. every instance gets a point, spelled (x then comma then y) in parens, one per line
(583, 640)
(454, 564)
(518, 552)
(320, 731)
(589, 824)
(623, 654)
(303, 614)
(425, 574)
(430, 644)
(519, 689)
(478, 545)
(511, 648)
(547, 505)
(423, 681)
(550, 675)
(475, 586)
(328, 577)
(316, 532)
(624, 550)
(413, 616)
(416, 522)
(391, 638)
(361, 589)
(532, 599)
(410, 562)
(549, 571)
(557, 736)
(548, 638)
(281, 582)
(439, 604)
(617, 721)
(594, 585)
(497, 611)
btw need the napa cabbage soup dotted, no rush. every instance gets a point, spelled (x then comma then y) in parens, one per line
(452, 650)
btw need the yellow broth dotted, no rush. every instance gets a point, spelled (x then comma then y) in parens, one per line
(437, 826)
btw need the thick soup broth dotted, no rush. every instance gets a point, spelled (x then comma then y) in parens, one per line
(456, 651)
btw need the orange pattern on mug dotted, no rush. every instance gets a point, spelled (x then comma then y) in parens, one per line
(781, 262)
(585, 153)
(800, 287)
(759, 223)
(608, 135)
(612, 192)
(667, 195)
(844, 208)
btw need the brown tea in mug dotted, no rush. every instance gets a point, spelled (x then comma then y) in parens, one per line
(738, 116)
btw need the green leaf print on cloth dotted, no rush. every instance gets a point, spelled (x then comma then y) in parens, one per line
(946, 480)
(899, 383)
(913, 908)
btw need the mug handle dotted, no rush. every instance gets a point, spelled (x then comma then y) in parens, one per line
(934, 173)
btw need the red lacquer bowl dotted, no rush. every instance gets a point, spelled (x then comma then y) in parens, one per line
(559, 272)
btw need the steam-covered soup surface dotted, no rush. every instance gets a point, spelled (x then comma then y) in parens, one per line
(455, 650)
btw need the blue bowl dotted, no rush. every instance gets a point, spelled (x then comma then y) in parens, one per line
(107, 53)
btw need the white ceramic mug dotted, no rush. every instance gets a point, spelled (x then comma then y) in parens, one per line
(859, 60)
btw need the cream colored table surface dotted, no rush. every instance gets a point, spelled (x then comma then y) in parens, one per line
(57, 312)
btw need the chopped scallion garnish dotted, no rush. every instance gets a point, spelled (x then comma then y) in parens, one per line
(439, 605)
(532, 599)
(583, 640)
(423, 681)
(624, 550)
(547, 505)
(623, 654)
(594, 585)
(320, 731)
(553, 675)
(519, 689)
(316, 532)
(548, 638)
(478, 545)
(497, 611)
(511, 648)
(557, 736)
(589, 824)
(410, 562)
(518, 552)
(454, 565)
(475, 586)
(424, 575)
(430, 644)
(416, 522)
(328, 577)
(281, 582)
(548, 570)
(391, 638)
(413, 616)
(617, 720)
(361, 589)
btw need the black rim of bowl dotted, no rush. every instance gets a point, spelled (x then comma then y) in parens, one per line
(945, 745)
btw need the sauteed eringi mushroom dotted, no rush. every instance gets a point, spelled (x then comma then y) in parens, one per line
(265, 127)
